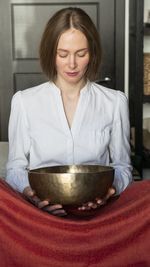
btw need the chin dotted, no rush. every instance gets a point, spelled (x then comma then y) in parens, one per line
(74, 80)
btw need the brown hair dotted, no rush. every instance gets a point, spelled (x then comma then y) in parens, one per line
(61, 21)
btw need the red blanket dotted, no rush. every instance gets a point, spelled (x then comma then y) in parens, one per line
(117, 236)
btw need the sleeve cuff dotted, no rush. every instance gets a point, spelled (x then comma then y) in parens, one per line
(18, 179)
(121, 180)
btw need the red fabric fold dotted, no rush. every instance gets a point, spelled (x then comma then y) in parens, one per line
(117, 236)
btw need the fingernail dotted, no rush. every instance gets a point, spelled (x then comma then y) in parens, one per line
(82, 208)
(90, 204)
(30, 193)
(99, 201)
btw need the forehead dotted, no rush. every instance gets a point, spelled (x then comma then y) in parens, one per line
(72, 38)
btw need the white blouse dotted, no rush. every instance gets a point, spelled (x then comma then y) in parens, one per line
(39, 134)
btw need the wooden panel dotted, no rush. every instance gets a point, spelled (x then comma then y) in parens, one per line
(27, 80)
(28, 22)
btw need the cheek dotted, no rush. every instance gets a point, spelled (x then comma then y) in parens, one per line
(59, 63)
(85, 63)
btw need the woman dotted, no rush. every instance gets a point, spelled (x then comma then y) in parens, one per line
(70, 119)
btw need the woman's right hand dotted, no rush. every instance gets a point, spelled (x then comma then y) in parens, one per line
(54, 209)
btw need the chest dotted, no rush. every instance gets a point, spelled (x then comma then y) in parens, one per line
(70, 107)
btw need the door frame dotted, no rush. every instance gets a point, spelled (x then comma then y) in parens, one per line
(136, 78)
(119, 44)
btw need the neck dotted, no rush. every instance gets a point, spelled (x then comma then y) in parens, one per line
(69, 88)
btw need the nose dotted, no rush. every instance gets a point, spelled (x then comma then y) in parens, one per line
(72, 62)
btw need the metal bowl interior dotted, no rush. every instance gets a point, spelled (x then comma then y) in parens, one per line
(71, 184)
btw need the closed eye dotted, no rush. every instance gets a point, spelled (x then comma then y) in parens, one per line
(63, 55)
(82, 53)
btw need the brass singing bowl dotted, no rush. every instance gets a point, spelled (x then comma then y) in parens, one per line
(71, 184)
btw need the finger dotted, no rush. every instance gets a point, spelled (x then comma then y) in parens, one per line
(83, 208)
(112, 190)
(99, 201)
(55, 210)
(33, 201)
(88, 206)
(42, 204)
(36, 199)
(92, 205)
(110, 193)
(54, 207)
(59, 212)
(37, 202)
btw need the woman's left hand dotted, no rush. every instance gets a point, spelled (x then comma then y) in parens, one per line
(98, 201)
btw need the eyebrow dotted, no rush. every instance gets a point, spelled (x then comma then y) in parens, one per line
(64, 50)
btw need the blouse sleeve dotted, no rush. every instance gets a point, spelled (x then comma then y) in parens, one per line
(120, 145)
(19, 145)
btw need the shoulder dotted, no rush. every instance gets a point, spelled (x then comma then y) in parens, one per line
(108, 93)
(111, 98)
(32, 91)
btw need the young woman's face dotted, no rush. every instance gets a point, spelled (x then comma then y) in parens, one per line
(72, 56)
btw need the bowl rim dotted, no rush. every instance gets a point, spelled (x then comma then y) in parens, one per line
(106, 168)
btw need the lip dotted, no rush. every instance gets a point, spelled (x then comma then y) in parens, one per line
(72, 74)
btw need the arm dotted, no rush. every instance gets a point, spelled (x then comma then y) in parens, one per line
(120, 145)
(119, 148)
(19, 145)
(18, 159)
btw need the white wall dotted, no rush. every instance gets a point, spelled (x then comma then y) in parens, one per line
(146, 8)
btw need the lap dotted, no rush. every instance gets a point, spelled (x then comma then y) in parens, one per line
(118, 235)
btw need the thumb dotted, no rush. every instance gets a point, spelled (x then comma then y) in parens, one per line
(111, 192)
(28, 191)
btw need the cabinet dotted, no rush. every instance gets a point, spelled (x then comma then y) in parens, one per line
(146, 28)
(137, 31)
(146, 98)
(146, 51)
(146, 95)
